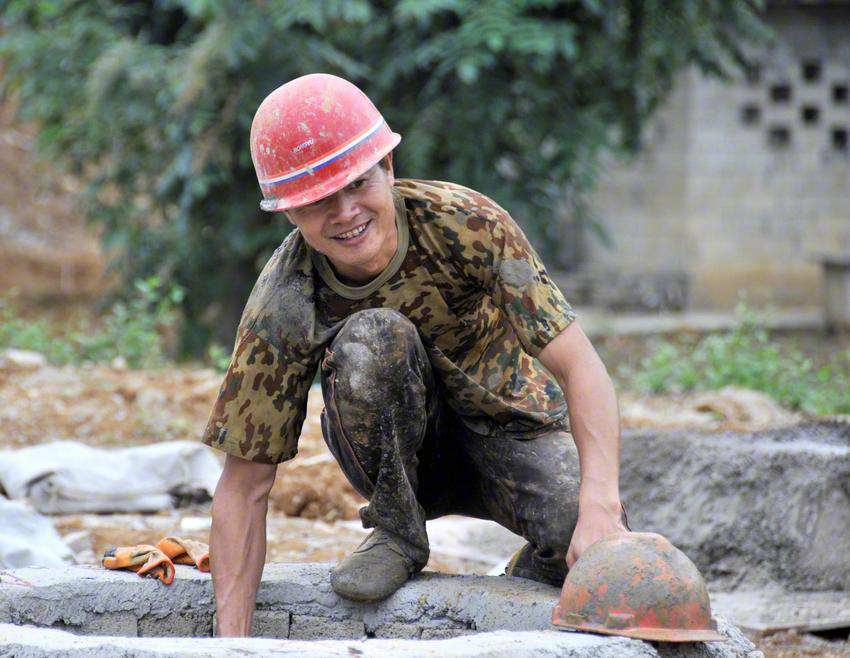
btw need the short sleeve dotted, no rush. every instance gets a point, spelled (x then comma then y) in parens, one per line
(261, 404)
(522, 289)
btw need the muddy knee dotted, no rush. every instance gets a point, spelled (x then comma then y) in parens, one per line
(377, 385)
(375, 359)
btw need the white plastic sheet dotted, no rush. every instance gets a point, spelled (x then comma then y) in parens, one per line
(28, 539)
(67, 477)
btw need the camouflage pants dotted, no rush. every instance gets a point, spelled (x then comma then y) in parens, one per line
(401, 446)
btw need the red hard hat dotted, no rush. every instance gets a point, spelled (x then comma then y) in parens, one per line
(638, 585)
(313, 136)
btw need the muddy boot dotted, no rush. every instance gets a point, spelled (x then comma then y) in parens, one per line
(375, 570)
(537, 565)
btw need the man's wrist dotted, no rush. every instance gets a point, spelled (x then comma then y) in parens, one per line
(599, 500)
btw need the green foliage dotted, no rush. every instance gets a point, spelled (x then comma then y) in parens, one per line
(746, 356)
(218, 357)
(136, 330)
(151, 101)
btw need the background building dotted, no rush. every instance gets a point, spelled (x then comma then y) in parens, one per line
(740, 185)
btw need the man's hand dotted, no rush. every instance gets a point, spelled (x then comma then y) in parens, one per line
(594, 523)
(238, 542)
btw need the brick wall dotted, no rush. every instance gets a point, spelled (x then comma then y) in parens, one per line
(742, 184)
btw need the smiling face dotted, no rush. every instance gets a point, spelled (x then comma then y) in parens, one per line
(355, 227)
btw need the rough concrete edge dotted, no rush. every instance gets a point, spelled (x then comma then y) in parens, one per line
(288, 593)
(30, 642)
(453, 599)
(431, 600)
(30, 596)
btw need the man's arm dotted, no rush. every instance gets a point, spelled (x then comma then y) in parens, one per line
(238, 542)
(595, 426)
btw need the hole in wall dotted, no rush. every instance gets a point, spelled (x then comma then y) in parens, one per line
(753, 73)
(811, 70)
(780, 93)
(840, 139)
(840, 94)
(810, 115)
(779, 137)
(750, 115)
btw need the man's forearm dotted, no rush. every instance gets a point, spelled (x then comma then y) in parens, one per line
(595, 426)
(237, 553)
(594, 423)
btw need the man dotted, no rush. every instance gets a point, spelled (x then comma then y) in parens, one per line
(424, 308)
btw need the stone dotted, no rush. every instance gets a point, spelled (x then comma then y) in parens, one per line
(108, 623)
(271, 624)
(176, 624)
(392, 630)
(303, 627)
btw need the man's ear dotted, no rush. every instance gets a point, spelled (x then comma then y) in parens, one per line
(389, 167)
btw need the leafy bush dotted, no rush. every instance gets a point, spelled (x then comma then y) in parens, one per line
(746, 356)
(219, 357)
(137, 330)
(151, 104)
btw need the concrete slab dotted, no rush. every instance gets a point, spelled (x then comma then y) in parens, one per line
(751, 510)
(770, 611)
(484, 614)
(30, 642)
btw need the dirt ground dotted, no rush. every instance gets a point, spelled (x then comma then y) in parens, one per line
(313, 515)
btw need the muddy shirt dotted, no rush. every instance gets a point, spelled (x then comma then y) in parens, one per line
(466, 277)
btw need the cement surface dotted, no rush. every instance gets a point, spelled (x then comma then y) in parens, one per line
(768, 611)
(481, 615)
(29, 642)
(751, 510)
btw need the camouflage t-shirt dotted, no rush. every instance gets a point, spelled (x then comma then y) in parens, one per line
(465, 276)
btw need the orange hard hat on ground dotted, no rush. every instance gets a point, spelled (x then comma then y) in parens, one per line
(638, 585)
(313, 136)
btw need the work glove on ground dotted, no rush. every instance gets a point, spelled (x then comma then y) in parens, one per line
(144, 559)
(186, 551)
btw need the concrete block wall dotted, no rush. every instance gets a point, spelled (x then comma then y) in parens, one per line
(711, 195)
(433, 615)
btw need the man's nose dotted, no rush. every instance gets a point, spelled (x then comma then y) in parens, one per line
(343, 207)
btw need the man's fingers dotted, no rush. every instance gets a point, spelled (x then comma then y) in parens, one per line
(571, 557)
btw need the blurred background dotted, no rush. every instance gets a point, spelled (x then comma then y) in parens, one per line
(683, 168)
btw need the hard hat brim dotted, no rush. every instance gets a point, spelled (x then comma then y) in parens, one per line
(346, 173)
(652, 634)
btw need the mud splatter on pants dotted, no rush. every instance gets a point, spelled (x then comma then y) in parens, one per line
(403, 448)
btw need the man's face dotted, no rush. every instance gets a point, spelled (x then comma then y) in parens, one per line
(355, 227)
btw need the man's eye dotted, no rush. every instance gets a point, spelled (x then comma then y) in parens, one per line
(313, 207)
(356, 185)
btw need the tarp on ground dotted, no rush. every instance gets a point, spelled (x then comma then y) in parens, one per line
(28, 539)
(67, 477)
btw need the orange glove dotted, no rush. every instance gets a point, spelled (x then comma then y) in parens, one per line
(186, 551)
(144, 559)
